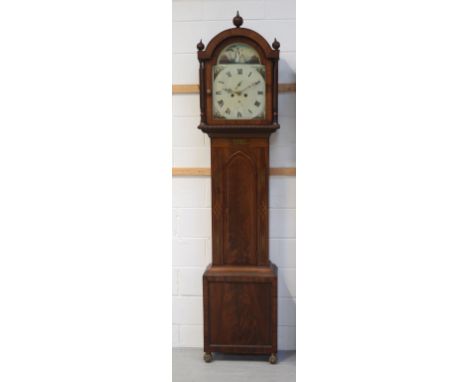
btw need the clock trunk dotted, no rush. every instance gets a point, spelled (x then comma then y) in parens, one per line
(239, 184)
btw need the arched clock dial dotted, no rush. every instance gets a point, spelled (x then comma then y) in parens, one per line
(239, 91)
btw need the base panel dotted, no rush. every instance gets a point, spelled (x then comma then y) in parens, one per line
(240, 309)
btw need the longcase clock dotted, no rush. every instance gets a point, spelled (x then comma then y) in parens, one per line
(239, 111)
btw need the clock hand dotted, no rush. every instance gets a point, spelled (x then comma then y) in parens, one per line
(248, 87)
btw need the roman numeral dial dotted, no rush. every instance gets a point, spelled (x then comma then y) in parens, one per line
(239, 91)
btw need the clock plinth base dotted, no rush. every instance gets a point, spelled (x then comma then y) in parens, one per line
(240, 309)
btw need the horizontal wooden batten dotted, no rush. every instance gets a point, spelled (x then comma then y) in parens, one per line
(287, 88)
(194, 88)
(206, 171)
(191, 171)
(286, 171)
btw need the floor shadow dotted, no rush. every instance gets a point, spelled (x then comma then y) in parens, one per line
(282, 356)
(240, 357)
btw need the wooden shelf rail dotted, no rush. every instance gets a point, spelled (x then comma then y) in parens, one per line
(193, 88)
(206, 171)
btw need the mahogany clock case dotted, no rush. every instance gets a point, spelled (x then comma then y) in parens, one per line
(240, 286)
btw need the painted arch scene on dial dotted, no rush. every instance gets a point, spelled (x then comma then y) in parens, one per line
(239, 84)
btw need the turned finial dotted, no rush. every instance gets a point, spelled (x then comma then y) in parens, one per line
(200, 45)
(237, 20)
(275, 44)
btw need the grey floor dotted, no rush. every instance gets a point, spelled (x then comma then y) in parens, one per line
(188, 366)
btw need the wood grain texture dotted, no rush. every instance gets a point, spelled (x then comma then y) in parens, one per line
(240, 309)
(239, 199)
(195, 89)
(239, 313)
(240, 209)
(206, 171)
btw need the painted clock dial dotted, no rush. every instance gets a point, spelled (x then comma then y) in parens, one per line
(239, 84)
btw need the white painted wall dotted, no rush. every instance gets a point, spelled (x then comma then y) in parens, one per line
(191, 202)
